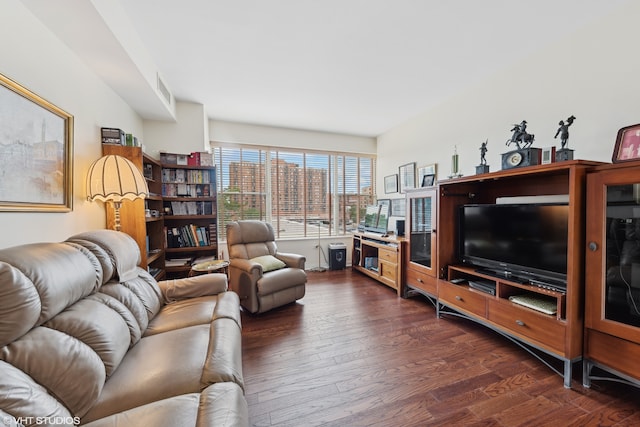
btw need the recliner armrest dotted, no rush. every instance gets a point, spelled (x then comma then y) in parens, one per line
(246, 265)
(192, 287)
(292, 260)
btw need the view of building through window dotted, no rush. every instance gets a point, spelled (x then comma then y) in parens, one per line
(311, 193)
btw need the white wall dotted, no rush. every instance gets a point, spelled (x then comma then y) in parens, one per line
(243, 133)
(189, 133)
(592, 75)
(37, 60)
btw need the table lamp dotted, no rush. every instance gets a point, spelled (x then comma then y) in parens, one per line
(112, 179)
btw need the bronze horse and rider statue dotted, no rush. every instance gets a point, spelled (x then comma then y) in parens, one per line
(520, 137)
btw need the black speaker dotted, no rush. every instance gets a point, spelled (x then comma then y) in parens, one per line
(400, 227)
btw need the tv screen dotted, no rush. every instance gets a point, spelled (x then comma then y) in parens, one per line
(376, 219)
(528, 241)
(383, 219)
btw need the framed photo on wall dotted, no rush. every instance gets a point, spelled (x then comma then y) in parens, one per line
(398, 207)
(627, 146)
(36, 152)
(431, 169)
(407, 175)
(391, 184)
(428, 180)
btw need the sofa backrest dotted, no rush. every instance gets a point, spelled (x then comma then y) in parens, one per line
(249, 239)
(67, 318)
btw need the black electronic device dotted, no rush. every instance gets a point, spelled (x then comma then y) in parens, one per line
(112, 136)
(485, 286)
(400, 227)
(526, 242)
(521, 158)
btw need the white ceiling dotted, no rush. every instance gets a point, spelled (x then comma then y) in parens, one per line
(349, 66)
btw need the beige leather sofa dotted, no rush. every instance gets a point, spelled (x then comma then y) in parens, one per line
(263, 277)
(87, 337)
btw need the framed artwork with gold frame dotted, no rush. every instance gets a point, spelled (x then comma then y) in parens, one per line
(36, 152)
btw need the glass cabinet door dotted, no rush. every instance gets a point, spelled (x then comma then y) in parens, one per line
(622, 254)
(421, 214)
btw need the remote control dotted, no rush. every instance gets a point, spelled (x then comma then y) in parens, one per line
(458, 281)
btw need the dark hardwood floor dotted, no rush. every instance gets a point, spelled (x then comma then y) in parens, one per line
(352, 353)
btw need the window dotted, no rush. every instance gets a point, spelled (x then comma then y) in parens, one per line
(301, 193)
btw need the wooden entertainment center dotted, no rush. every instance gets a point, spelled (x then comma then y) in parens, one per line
(379, 258)
(558, 335)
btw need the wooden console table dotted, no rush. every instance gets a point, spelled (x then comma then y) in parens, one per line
(379, 258)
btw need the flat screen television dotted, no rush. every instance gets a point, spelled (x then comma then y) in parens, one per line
(525, 242)
(376, 219)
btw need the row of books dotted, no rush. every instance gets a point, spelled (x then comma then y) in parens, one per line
(188, 176)
(191, 235)
(196, 158)
(189, 208)
(187, 190)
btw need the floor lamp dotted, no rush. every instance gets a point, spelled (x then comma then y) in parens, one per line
(320, 268)
(113, 179)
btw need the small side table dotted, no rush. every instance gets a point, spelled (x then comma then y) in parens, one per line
(209, 267)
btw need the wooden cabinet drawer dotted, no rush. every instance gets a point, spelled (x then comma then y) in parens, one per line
(420, 280)
(388, 255)
(463, 298)
(528, 323)
(388, 271)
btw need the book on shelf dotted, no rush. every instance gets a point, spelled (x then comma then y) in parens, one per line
(186, 190)
(177, 262)
(187, 236)
(195, 158)
(190, 208)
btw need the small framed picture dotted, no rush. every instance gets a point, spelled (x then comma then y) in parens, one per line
(427, 170)
(407, 175)
(398, 207)
(548, 155)
(627, 146)
(428, 180)
(391, 184)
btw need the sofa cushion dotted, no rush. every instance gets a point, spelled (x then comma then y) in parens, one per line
(223, 405)
(220, 405)
(250, 239)
(141, 296)
(19, 304)
(23, 397)
(122, 250)
(174, 411)
(182, 314)
(157, 367)
(97, 326)
(41, 269)
(224, 354)
(280, 279)
(269, 263)
(60, 363)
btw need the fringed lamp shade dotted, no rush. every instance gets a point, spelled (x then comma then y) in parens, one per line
(113, 178)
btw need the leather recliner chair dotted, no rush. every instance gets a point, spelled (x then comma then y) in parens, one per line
(263, 277)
